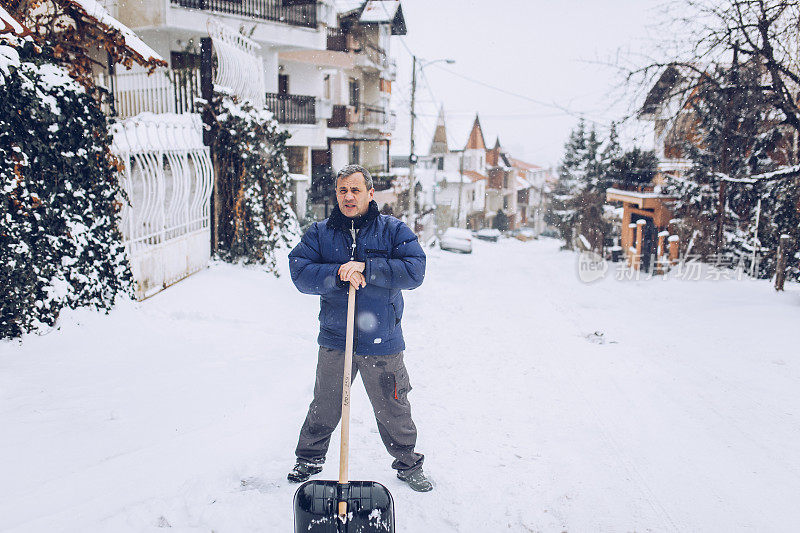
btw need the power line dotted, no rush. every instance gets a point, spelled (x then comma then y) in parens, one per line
(559, 107)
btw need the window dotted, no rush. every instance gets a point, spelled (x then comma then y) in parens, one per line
(440, 163)
(296, 157)
(283, 84)
(327, 87)
(355, 154)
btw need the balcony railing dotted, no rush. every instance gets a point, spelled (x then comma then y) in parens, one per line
(293, 108)
(375, 117)
(337, 40)
(164, 91)
(274, 10)
(368, 117)
(338, 117)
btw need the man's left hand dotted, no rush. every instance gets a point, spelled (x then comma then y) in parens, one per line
(346, 270)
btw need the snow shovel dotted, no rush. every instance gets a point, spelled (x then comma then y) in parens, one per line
(344, 506)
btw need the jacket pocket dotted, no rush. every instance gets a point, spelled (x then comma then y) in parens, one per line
(332, 317)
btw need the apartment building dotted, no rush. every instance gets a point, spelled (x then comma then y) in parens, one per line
(356, 72)
(265, 28)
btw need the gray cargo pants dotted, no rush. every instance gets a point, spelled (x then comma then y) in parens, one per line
(386, 380)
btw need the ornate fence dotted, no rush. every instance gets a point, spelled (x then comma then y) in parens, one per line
(167, 179)
(239, 67)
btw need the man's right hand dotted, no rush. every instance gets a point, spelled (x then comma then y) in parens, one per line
(356, 279)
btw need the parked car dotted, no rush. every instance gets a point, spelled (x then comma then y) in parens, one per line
(456, 239)
(523, 234)
(488, 234)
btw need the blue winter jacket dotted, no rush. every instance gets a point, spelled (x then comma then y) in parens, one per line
(394, 261)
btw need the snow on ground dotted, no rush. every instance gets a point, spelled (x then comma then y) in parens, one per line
(543, 404)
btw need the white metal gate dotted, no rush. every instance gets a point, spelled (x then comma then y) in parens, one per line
(239, 67)
(167, 178)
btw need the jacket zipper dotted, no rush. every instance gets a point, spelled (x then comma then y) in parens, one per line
(353, 258)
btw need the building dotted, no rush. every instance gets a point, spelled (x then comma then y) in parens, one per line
(293, 92)
(501, 190)
(532, 189)
(356, 72)
(453, 182)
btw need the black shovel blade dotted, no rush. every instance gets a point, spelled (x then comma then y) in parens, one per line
(370, 507)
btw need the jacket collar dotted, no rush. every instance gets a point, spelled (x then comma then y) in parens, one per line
(340, 221)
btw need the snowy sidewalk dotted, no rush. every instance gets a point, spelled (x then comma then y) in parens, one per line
(681, 414)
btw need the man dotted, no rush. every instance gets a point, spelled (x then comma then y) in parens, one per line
(379, 256)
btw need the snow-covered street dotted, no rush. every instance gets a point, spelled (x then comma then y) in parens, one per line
(542, 403)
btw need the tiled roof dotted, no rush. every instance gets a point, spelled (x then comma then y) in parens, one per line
(475, 176)
(476, 141)
(518, 163)
(439, 143)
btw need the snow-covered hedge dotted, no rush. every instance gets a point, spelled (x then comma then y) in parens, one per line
(59, 240)
(253, 180)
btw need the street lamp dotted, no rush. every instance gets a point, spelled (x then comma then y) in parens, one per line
(412, 157)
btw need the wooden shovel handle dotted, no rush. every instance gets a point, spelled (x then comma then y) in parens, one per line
(348, 367)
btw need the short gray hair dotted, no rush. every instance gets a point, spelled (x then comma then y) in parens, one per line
(349, 170)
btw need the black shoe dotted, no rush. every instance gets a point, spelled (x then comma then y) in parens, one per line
(416, 480)
(302, 471)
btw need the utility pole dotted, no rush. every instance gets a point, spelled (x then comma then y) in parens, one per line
(412, 158)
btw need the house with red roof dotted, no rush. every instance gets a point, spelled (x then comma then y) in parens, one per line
(454, 180)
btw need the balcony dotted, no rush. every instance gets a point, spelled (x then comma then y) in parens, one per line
(366, 118)
(367, 56)
(293, 108)
(337, 40)
(164, 91)
(338, 117)
(378, 118)
(304, 15)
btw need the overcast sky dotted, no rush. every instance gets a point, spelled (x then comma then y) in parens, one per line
(546, 51)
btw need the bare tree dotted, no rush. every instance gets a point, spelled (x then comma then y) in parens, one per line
(717, 33)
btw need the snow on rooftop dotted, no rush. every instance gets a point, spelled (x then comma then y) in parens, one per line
(636, 194)
(380, 11)
(132, 41)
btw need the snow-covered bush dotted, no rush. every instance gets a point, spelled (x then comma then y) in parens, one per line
(253, 181)
(60, 244)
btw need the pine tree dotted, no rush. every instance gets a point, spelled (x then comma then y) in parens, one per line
(579, 196)
(632, 168)
(562, 211)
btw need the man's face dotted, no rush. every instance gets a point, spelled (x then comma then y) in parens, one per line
(353, 196)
